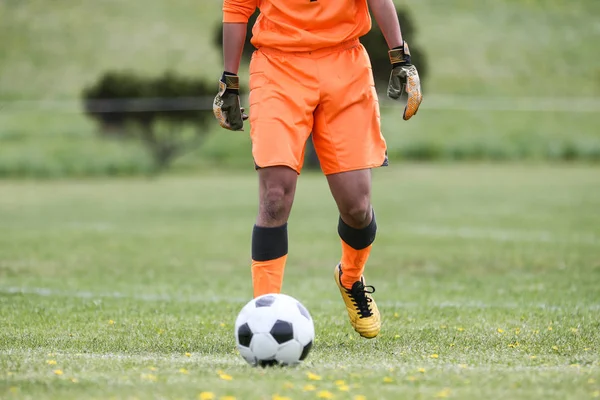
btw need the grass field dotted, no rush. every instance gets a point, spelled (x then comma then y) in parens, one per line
(487, 278)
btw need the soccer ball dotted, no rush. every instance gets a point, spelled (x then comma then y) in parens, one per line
(274, 329)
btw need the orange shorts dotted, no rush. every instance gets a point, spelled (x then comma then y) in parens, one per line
(329, 92)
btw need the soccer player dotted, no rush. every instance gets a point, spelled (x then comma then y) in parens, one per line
(311, 74)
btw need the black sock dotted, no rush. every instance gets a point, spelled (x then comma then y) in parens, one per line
(358, 239)
(269, 243)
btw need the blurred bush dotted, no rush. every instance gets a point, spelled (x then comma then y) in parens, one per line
(168, 114)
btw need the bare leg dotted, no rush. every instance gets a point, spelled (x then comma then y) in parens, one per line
(357, 227)
(277, 186)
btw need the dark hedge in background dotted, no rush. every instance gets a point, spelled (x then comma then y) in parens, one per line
(169, 114)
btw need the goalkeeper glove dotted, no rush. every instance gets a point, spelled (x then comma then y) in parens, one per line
(404, 78)
(226, 105)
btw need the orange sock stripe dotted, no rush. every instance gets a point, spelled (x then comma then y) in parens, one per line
(267, 276)
(353, 263)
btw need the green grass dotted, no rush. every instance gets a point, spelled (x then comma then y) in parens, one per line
(502, 48)
(493, 269)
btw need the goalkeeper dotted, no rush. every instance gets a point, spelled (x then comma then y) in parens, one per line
(311, 74)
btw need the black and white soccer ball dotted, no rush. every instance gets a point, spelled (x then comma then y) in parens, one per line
(274, 329)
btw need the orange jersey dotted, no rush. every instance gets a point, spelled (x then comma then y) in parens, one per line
(301, 25)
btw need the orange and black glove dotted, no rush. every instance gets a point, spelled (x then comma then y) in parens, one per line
(226, 106)
(404, 78)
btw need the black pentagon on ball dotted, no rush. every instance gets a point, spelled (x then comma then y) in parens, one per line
(303, 311)
(244, 335)
(265, 301)
(306, 350)
(282, 331)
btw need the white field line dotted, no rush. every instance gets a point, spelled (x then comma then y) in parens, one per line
(235, 361)
(496, 103)
(213, 359)
(501, 235)
(431, 102)
(462, 232)
(477, 305)
(46, 292)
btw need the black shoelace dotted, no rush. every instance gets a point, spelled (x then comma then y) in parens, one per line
(359, 298)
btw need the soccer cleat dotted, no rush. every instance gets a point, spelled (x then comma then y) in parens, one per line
(362, 310)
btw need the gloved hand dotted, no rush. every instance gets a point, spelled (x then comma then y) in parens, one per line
(404, 78)
(226, 106)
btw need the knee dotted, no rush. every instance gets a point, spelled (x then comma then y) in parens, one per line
(276, 204)
(357, 213)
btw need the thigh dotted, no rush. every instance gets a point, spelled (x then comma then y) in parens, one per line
(347, 133)
(282, 100)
